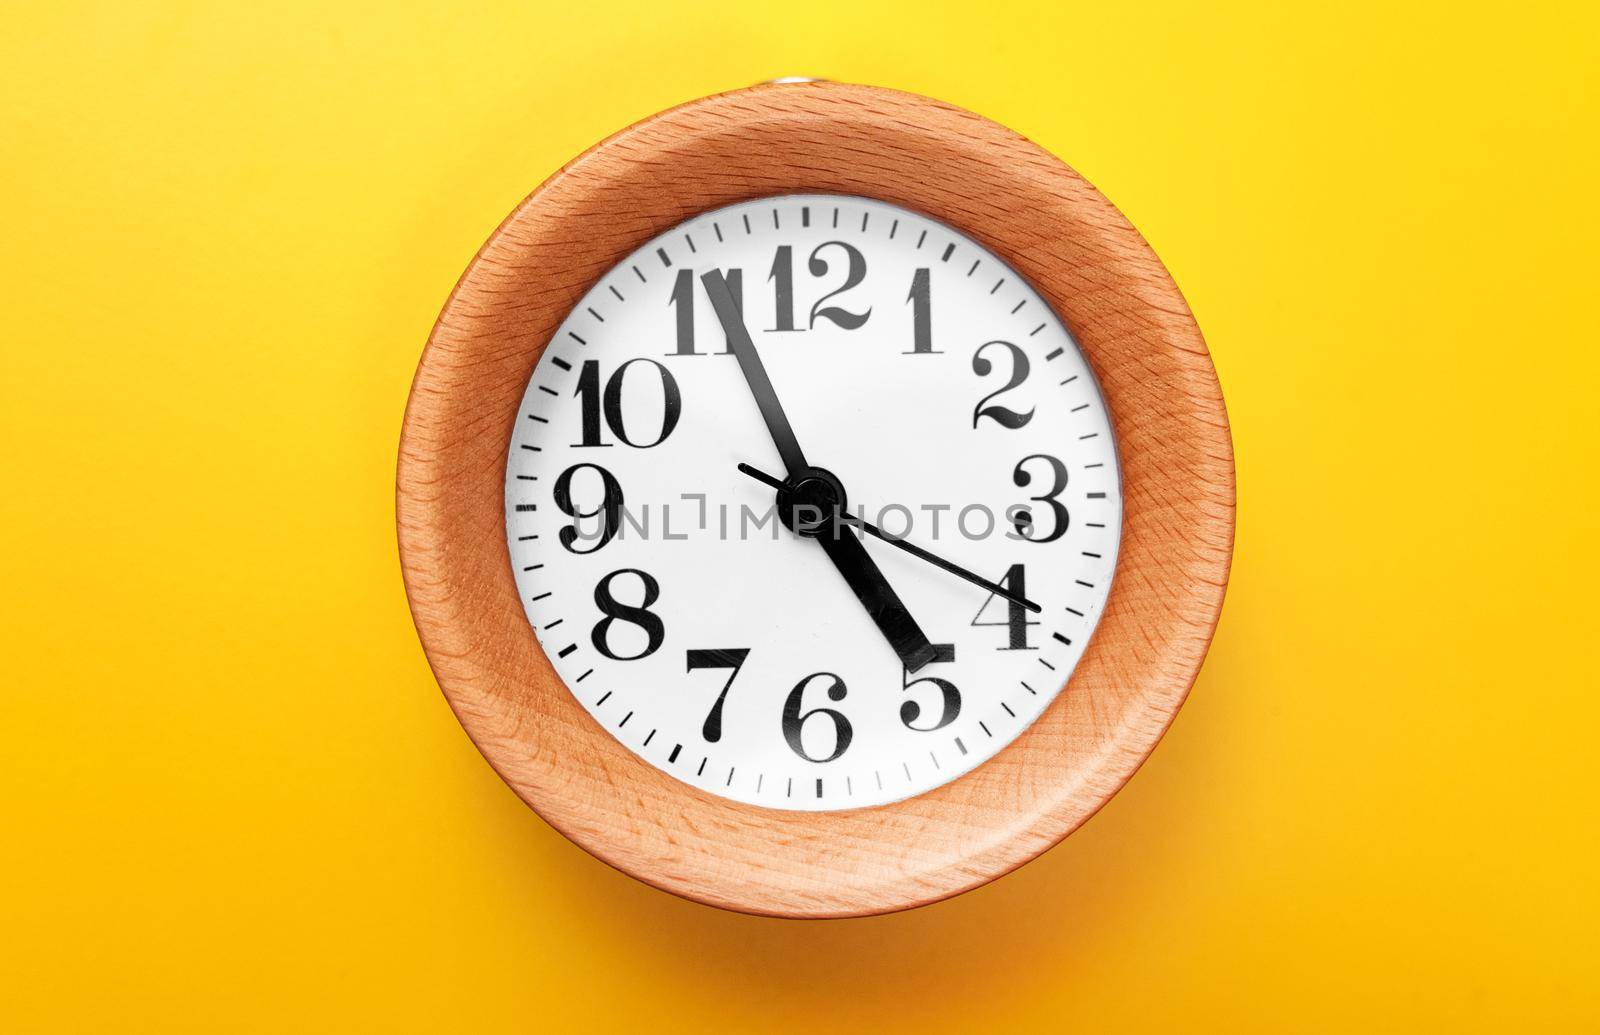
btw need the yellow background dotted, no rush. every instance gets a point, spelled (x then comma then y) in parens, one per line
(233, 798)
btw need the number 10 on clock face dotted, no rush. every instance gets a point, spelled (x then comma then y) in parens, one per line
(687, 604)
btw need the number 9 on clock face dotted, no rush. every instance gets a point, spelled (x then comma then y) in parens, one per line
(692, 609)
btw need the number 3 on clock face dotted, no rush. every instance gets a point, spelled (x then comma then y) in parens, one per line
(696, 621)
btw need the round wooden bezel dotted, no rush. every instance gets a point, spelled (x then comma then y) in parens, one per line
(1015, 199)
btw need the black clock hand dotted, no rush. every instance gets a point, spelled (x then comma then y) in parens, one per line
(755, 374)
(883, 605)
(878, 597)
(915, 551)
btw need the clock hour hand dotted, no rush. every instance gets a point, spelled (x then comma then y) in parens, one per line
(755, 374)
(877, 596)
(915, 551)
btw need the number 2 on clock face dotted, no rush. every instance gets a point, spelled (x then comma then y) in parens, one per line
(931, 384)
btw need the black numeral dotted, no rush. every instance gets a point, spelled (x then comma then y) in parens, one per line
(608, 510)
(783, 287)
(721, 657)
(1005, 417)
(632, 614)
(611, 402)
(682, 302)
(1023, 518)
(855, 273)
(949, 696)
(921, 314)
(1016, 620)
(782, 277)
(794, 720)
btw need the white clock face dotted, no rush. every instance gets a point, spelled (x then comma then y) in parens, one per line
(736, 628)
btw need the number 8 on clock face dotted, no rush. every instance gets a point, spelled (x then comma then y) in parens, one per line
(713, 460)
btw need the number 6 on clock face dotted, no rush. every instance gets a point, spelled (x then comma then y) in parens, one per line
(936, 397)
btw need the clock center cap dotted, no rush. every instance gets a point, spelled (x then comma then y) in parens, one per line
(808, 500)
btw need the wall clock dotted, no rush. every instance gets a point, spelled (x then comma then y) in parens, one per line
(815, 500)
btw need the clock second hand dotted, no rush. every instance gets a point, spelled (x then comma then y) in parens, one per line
(915, 551)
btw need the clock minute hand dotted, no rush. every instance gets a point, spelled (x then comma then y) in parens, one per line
(755, 373)
(866, 581)
(915, 551)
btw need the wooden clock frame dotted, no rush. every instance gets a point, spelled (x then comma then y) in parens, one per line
(1083, 258)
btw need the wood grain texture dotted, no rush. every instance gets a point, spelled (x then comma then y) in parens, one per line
(1016, 200)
